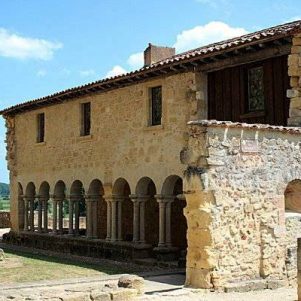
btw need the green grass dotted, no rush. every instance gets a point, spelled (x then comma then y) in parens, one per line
(24, 267)
(4, 205)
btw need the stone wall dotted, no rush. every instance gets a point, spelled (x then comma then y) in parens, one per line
(234, 183)
(294, 71)
(5, 219)
(121, 144)
(293, 232)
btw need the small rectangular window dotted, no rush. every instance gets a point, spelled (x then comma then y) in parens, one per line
(255, 89)
(85, 119)
(155, 105)
(40, 128)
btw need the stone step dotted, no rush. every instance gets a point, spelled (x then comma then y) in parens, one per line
(154, 262)
(254, 285)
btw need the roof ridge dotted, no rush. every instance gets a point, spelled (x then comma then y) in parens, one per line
(263, 34)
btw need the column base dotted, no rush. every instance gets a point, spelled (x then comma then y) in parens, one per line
(164, 253)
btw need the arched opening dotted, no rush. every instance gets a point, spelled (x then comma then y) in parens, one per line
(21, 207)
(292, 196)
(77, 209)
(30, 194)
(292, 204)
(173, 189)
(124, 210)
(43, 207)
(148, 212)
(60, 207)
(96, 211)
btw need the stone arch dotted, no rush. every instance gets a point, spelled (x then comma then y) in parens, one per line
(77, 209)
(292, 196)
(21, 206)
(98, 210)
(60, 189)
(146, 191)
(43, 207)
(124, 213)
(30, 194)
(30, 191)
(44, 190)
(173, 188)
(60, 206)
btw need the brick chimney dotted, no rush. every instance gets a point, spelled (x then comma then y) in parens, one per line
(153, 54)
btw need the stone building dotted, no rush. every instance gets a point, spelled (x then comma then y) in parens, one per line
(132, 154)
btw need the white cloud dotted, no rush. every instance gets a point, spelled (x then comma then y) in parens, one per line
(41, 73)
(205, 34)
(116, 70)
(87, 73)
(15, 46)
(136, 60)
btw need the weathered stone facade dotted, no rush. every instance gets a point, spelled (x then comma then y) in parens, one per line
(294, 71)
(234, 186)
(128, 174)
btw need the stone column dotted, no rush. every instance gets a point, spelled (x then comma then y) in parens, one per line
(76, 217)
(26, 219)
(89, 217)
(162, 223)
(45, 206)
(135, 201)
(32, 214)
(95, 216)
(119, 218)
(113, 219)
(91, 201)
(71, 207)
(142, 201)
(109, 219)
(169, 201)
(54, 215)
(40, 215)
(61, 203)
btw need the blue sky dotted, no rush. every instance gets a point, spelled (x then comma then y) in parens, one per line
(47, 46)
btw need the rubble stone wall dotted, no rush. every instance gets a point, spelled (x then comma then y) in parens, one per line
(294, 71)
(234, 183)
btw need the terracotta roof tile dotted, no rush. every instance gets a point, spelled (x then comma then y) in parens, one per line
(272, 33)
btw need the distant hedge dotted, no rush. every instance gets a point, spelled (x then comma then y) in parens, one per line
(4, 190)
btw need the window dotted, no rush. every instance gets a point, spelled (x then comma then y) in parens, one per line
(255, 89)
(155, 105)
(85, 119)
(40, 128)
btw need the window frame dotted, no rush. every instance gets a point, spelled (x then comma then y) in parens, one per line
(247, 102)
(85, 128)
(40, 122)
(152, 122)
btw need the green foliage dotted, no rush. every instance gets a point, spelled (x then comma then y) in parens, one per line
(4, 205)
(4, 191)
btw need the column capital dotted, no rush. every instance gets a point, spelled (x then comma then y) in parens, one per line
(165, 198)
(92, 197)
(42, 197)
(57, 197)
(139, 197)
(74, 197)
(181, 197)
